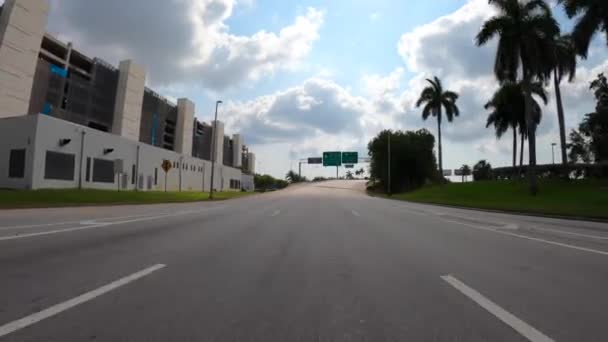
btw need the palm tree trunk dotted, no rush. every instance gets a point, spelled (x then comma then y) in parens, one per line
(521, 155)
(439, 144)
(560, 117)
(514, 147)
(533, 182)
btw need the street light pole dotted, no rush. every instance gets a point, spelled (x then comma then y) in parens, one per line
(553, 151)
(389, 163)
(213, 148)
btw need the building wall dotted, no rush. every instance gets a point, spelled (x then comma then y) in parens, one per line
(129, 100)
(189, 174)
(218, 145)
(17, 133)
(22, 26)
(237, 151)
(247, 182)
(185, 126)
(158, 121)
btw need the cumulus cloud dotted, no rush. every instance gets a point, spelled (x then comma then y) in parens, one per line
(318, 114)
(184, 41)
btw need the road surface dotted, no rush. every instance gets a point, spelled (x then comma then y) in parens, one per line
(319, 262)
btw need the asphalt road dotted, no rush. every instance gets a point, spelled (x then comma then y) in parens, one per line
(313, 263)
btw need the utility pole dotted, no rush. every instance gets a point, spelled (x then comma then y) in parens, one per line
(553, 151)
(213, 154)
(389, 163)
(300, 170)
(337, 172)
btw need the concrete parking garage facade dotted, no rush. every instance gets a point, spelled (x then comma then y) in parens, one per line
(67, 119)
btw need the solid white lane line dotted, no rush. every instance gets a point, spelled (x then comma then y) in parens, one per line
(95, 225)
(508, 318)
(276, 213)
(56, 309)
(355, 213)
(559, 231)
(549, 242)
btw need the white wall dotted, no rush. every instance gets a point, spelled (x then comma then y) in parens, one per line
(17, 133)
(196, 177)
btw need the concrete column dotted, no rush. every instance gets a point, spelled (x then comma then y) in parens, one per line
(22, 27)
(251, 163)
(237, 151)
(218, 146)
(129, 100)
(185, 127)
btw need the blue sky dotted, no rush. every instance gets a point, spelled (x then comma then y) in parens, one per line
(300, 78)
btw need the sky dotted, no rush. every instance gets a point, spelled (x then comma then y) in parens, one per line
(301, 77)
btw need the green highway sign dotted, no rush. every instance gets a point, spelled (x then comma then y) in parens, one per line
(332, 158)
(350, 157)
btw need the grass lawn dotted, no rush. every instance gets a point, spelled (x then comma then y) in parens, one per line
(586, 198)
(64, 198)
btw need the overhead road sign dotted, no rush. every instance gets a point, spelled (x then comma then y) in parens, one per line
(447, 173)
(350, 157)
(315, 160)
(349, 166)
(332, 158)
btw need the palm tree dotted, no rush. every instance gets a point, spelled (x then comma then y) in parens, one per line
(508, 107)
(435, 100)
(466, 171)
(563, 63)
(592, 18)
(524, 29)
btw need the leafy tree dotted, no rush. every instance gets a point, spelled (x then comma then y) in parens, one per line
(525, 30)
(294, 177)
(507, 110)
(267, 182)
(579, 147)
(349, 175)
(466, 171)
(412, 163)
(482, 171)
(590, 142)
(592, 18)
(435, 99)
(562, 64)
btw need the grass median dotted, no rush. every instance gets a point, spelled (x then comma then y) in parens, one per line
(585, 198)
(66, 198)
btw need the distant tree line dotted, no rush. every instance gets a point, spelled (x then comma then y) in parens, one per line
(267, 182)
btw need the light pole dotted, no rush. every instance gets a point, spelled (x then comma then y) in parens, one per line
(553, 151)
(213, 154)
(389, 163)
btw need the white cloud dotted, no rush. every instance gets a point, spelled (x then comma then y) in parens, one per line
(192, 43)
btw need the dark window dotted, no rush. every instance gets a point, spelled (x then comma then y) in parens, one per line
(156, 176)
(87, 176)
(133, 174)
(98, 126)
(103, 171)
(59, 166)
(16, 164)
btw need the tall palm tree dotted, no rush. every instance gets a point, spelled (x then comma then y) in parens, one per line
(507, 110)
(435, 99)
(562, 64)
(524, 29)
(592, 18)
